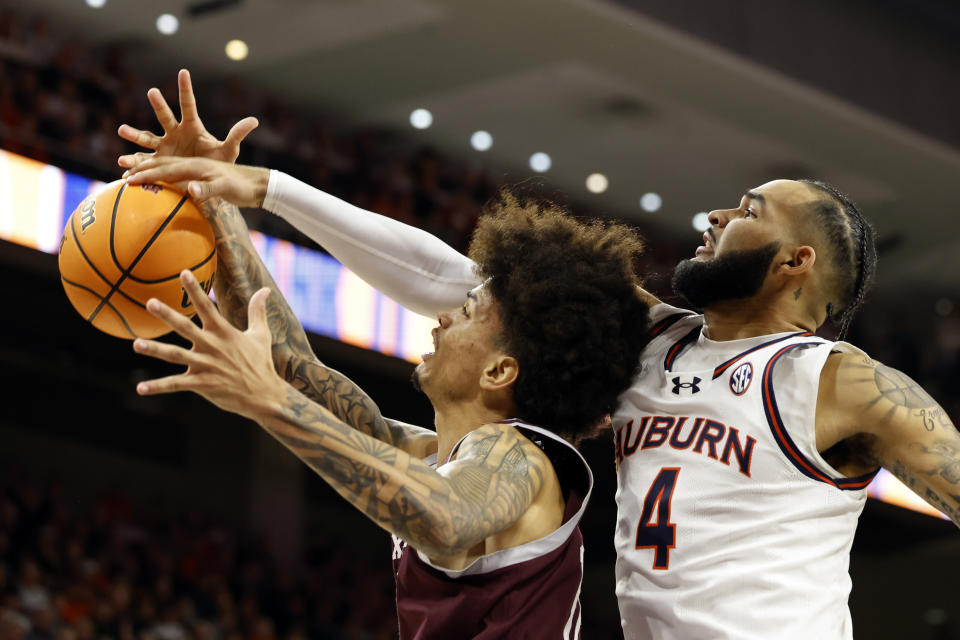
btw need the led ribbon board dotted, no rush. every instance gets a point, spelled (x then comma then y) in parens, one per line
(36, 199)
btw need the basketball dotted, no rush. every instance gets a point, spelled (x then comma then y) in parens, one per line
(127, 244)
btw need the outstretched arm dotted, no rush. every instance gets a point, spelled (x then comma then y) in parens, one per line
(901, 427)
(240, 273)
(416, 269)
(489, 487)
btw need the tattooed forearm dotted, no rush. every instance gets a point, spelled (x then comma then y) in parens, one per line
(948, 468)
(941, 458)
(241, 273)
(493, 486)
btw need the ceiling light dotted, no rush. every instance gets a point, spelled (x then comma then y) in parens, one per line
(701, 222)
(237, 50)
(540, 162)
(651, 202)
(481, 140)
(597, 183)
(167, 24)
(421, 118)
(96, 4)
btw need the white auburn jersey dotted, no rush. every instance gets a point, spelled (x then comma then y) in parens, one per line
(730, 523)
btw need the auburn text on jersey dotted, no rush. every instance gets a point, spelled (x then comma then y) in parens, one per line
(705, 436)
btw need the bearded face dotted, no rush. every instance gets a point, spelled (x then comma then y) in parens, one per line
(734, 275)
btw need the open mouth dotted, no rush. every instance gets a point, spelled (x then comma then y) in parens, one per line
(707, 246)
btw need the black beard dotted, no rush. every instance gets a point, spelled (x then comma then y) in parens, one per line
(732, 276)
(415, 380)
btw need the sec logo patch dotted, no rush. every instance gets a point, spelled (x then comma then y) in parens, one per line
(740, 378)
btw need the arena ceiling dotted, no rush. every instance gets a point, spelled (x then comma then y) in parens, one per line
(599, 86)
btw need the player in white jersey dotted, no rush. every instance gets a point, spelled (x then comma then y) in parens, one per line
(744, 446)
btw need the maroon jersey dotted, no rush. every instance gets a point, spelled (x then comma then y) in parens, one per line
(531, 591)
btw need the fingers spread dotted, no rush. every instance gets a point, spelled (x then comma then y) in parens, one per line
(188, 103)
(176, 321)
(160, 107)
(139, 136)
(241, 130)
(168, 353)
(170, 384)
(208, 313)
(134, 161)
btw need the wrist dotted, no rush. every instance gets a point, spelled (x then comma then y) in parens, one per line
(269, 401)
(259, 179)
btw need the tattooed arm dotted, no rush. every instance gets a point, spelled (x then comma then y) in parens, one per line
(888, 420)
(493, 482)
(240, 273)
(445, 512)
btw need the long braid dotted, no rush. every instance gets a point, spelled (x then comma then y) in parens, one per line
(853, 241)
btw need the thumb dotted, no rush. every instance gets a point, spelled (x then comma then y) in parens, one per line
(240, 131)
(257, 312)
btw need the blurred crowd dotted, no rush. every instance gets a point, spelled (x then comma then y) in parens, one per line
(107, 572)
(61, 102)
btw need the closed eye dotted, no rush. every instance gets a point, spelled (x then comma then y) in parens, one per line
(464, 309)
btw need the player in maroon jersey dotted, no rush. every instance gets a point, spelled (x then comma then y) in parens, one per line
(486, 543)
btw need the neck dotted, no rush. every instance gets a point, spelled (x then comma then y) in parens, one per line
(453, 421)
(738, 319)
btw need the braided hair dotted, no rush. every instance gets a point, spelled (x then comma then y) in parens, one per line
(853, 242)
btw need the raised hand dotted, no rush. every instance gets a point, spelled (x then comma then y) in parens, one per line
(233, 369)
(204, 179)
(188, 137)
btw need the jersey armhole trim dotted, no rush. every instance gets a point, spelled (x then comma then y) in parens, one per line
(786, 444)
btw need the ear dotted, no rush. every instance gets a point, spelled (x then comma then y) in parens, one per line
(797, 260)
(500, 373)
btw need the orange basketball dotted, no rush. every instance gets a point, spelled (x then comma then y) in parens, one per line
(128, 244)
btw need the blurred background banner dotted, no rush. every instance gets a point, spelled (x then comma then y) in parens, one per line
(37, 199)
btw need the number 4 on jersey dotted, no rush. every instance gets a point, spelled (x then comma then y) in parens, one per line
(660, 536)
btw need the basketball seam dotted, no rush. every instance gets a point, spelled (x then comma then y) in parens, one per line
(113, 225)
(173, 277)
(87, 259)
(97, 295)
(124, 273)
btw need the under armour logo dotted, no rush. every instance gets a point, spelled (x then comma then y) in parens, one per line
(397, 547)
(692, 385)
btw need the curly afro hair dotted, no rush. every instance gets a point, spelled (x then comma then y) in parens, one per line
(567, 295)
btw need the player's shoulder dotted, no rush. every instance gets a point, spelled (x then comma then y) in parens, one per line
(850, 379)
(496, 442)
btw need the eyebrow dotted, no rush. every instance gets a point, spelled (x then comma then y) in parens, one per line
(753, 195)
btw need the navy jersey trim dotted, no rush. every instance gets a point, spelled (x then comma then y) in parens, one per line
(674, 351)
(667, 322)
(732, 361)
(786, 444)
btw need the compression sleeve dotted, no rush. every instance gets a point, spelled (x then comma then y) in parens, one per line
(416, 269)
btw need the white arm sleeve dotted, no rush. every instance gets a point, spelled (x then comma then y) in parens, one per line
(416, 269)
